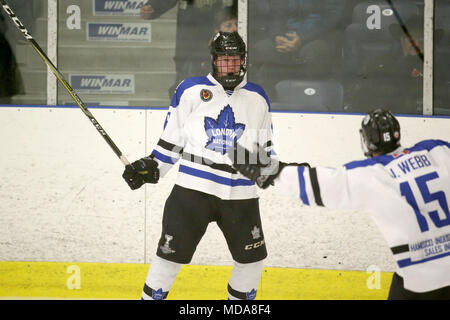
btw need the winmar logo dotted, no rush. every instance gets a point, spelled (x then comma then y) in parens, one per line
(123, 5)
(115, 30)
(98, 82)
(119, 31)
(103, 83)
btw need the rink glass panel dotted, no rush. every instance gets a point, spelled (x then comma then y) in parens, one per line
(113, 57)
(351, 56)
(348, 59)
(441, 58)
(117, 57)
(23, 73)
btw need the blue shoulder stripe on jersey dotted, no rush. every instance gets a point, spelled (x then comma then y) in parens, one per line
(430, 144)
(213, 177)
(301, 180)
(386, 159)
(383, 159)
(407, 262)
(186, 84)
(250, 86)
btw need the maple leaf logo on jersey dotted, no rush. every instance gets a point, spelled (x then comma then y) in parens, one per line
(223, 132)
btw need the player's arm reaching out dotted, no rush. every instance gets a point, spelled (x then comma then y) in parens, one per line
(337, 188)
(260, 166)
(299, 180)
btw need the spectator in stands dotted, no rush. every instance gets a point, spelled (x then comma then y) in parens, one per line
(301, 41)
(400, 71)
(225, 20)
(258, 29)
(195, 26)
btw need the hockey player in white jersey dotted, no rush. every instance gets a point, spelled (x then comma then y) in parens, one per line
(406, 191)
(206, 117)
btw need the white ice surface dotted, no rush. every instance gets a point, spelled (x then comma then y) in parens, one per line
(62, 197)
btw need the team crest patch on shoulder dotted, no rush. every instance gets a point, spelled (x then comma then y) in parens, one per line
(206, 95)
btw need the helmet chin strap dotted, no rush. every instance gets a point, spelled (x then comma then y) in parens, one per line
(226, 85)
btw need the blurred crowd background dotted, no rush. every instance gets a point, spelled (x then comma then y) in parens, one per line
(308, 55)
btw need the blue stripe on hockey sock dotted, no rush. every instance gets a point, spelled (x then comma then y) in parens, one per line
(301, 179)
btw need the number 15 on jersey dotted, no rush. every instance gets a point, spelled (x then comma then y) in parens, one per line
(428, 197)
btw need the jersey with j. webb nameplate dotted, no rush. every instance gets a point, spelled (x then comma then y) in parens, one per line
(203, 123)
(406, 193)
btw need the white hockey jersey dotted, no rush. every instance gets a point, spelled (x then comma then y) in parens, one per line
(202, 124)
(407, 194)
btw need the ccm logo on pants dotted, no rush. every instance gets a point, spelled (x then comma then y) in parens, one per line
(254, 245)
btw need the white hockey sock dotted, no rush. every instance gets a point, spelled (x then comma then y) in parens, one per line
(160, 277)
(244, 280)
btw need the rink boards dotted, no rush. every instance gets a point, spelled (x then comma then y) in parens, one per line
(63, 202)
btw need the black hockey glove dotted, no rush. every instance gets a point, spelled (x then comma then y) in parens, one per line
(254, 173)
(142, 171)
(263, 170)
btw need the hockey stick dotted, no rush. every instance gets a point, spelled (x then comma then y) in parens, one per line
(65, 84)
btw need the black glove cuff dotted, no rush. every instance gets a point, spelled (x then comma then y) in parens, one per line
(266, 180)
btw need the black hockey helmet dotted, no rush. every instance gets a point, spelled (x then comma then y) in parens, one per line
(229, 44)
(380, 132)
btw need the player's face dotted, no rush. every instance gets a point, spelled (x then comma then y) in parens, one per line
(228, 65)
